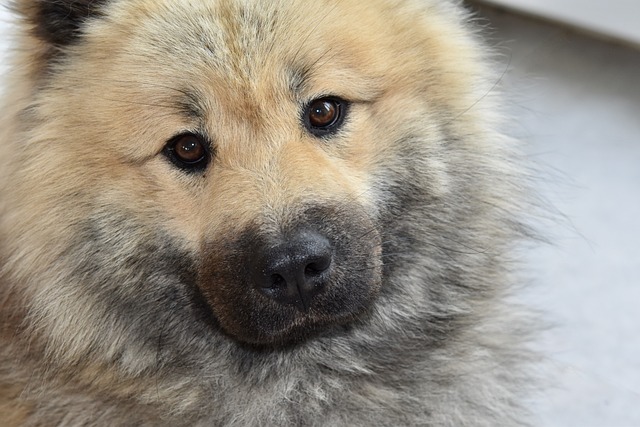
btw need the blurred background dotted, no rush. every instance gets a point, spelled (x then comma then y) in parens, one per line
(572, 83)
(570, 70)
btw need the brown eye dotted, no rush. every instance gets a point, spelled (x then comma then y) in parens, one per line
(324, 116)
(323, 113)
(188, 151)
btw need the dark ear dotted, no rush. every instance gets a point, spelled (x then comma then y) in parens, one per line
(59, 22)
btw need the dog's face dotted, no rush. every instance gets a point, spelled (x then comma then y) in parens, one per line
(252, 139)
(264, 170)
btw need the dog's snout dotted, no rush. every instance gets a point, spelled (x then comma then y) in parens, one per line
(295, 271)
(282, 282)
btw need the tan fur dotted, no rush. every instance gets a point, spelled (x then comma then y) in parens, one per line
(96, 123)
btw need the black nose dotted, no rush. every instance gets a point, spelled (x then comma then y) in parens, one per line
(295, 271)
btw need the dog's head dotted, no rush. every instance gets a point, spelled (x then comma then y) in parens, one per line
(262, 169)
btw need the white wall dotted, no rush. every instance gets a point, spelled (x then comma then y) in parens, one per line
(614, 18)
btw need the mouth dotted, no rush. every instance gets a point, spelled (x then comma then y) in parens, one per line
(276, 288)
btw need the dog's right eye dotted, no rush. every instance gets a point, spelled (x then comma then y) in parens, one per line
(324, 116)
(188, 151)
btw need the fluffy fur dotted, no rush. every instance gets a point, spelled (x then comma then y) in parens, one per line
(124, 298)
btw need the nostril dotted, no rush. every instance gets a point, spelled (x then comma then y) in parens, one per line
(276, 281)
(317, 267)
(311, 270)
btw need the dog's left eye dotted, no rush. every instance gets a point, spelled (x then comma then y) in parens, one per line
(324, 116)
(188, 152)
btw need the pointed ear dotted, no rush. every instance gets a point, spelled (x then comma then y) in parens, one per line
(59, 22)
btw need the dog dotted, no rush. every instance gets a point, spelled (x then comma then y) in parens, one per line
(258, 213)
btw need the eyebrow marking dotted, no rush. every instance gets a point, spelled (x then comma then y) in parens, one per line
(298, 80)
(190, 105)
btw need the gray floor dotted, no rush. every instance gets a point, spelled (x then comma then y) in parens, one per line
(576, 104)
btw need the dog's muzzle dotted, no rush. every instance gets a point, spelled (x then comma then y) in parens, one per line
(281, 284)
